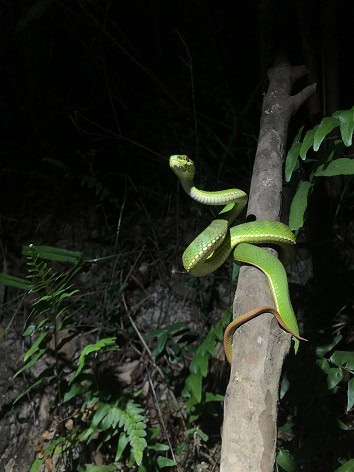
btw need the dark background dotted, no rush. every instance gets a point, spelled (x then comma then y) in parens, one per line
(111, 89)
(95, 95)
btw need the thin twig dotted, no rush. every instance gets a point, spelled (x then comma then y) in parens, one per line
(161, 418)
(118, 232)
(152, 359)
(140, 336)
(189, 64)
(111, 101)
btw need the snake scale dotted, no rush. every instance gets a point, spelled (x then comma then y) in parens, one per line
(210, 249)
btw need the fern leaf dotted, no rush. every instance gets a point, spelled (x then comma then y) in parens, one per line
(122, 443)
(90, 348)
(35, 346)
(136, 430)
(34, 359)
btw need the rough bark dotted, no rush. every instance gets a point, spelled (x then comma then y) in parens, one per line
(250, 422)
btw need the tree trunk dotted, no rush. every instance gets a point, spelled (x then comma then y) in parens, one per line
(250, 431)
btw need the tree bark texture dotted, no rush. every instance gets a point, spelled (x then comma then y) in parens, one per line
(250, 419)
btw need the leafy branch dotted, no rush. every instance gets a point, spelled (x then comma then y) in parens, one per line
(330, 164)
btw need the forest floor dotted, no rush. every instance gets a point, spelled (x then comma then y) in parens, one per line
(134, 286)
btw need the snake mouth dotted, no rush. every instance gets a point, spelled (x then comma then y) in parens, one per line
(182, 166)
(180, 161)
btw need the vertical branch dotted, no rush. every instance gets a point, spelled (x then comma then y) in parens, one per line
(249, 431)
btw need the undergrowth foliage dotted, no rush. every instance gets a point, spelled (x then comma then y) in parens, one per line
(112, 422)
(202, 350)
(199, 367)
(332, 162)
(48, 317)
(102, 418)
(327, 375)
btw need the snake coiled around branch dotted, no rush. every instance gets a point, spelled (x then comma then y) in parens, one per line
(210, 249)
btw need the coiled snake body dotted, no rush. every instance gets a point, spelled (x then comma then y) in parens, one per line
(209, 250)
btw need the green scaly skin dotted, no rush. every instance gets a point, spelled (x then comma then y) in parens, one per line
(209, 250)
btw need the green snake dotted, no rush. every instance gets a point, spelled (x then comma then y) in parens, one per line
(210, 249)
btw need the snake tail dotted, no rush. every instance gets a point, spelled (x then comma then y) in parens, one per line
(240, 320)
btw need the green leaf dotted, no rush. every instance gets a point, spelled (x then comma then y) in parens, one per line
(46, 375)
(165, 462)
(198, 432)
(346, 118)
(37, 464)
(137, 450)
(325, 127)
(343, 359)
(62, 296)
(12, 281)
(52, 253)
(286, 428)
(299, 205)
(193, 366)
(224, 320)
(122, 443)
(212, 397)
(308, 142)
(154, 432)
(284, 386)
(100, 468)
(135, 427)
(31, 387)
(56, 446)
(173, 328)
(209, 344)
(100, 413)
(203, 363)
(194, 386)
(350, 394)
(341, 166)
(90, 348)
(35, 346)
(292, 157)
(75, 390)
(158, 447)
(161, 343)
(235, 272)
(323, 365)
(347, 467)
(286, 461)
(31, 362)
(334, 376)
(322, 350)
(111, 419)
(30, 330)
(342, 425)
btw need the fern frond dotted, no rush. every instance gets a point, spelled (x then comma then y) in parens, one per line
(53, 288)
(113, 419)
(135, 428)
(41, 276)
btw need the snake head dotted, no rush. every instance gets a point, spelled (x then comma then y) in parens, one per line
(183, 167)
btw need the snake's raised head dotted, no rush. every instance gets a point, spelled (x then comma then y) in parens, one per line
(183, 167)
